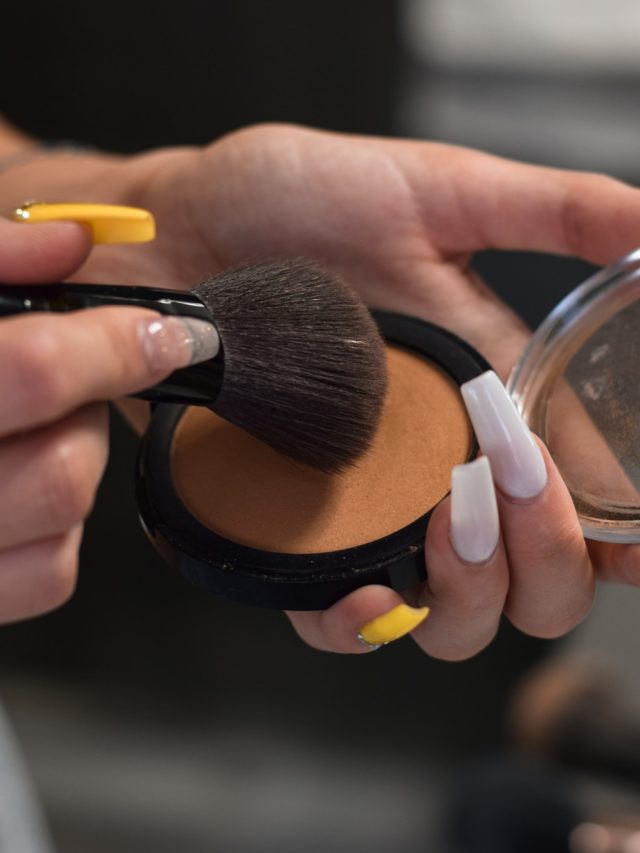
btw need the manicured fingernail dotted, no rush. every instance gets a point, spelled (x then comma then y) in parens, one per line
(108, 223)
(173, 342)
(516, 461)
(392, 625)
(475, 527)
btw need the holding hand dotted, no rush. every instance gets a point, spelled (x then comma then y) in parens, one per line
(54, 371)
(400, 221)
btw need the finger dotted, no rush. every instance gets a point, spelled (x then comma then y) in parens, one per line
(552, 583)
(38, 577)
(503, 204)
(468, 575)
(552, 579)
(41, 253)
(49, 477)
(616, 563)
(376, 613)
(53, 364)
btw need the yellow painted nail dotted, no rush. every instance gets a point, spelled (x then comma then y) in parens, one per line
(109, 223)
(392, 625)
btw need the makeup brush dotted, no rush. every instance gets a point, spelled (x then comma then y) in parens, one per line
(301, 364)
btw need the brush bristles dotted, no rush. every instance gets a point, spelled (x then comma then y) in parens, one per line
(305, 368)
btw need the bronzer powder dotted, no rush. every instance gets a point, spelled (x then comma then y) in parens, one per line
(236, 519)
(244, 491)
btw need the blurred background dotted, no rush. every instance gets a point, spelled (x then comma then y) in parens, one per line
(152, 718)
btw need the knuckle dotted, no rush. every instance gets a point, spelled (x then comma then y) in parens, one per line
(488, 601)
(472, 603)
(69, 486)
(471, 591)
(264, 131)
(268, 136)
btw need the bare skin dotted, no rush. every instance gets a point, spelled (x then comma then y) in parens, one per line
(400, 220)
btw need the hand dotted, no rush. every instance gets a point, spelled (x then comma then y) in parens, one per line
(401, 220)
(54, 370)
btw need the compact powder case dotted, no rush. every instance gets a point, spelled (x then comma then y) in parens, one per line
(238, 519)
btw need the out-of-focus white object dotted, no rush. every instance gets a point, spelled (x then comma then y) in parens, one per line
(550, 82)
(546, 35)
(22, 824)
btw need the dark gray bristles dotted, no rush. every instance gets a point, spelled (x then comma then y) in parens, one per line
(305, 367)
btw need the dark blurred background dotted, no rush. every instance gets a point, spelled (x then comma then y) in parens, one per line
(155, 718)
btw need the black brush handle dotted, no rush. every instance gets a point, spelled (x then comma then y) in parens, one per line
(198, 384)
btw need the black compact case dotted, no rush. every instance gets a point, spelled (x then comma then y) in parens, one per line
(289, 581)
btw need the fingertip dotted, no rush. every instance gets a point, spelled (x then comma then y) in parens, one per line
(340, 627)
(346, 622)
(392, 625)
(42, 253)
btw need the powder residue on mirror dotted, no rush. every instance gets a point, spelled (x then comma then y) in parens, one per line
(246, 492)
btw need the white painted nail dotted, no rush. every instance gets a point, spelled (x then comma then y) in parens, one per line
(171, 342)
(475, 527)
(516, 461)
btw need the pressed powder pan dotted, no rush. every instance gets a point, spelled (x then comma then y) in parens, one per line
(274, 504)
(240, 520)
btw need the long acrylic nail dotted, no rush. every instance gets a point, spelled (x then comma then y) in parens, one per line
(516, 461)
(108, 223)
(172, 342)
(475, 527)
(392, 625)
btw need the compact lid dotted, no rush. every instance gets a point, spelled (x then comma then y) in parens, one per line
(577, 386)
